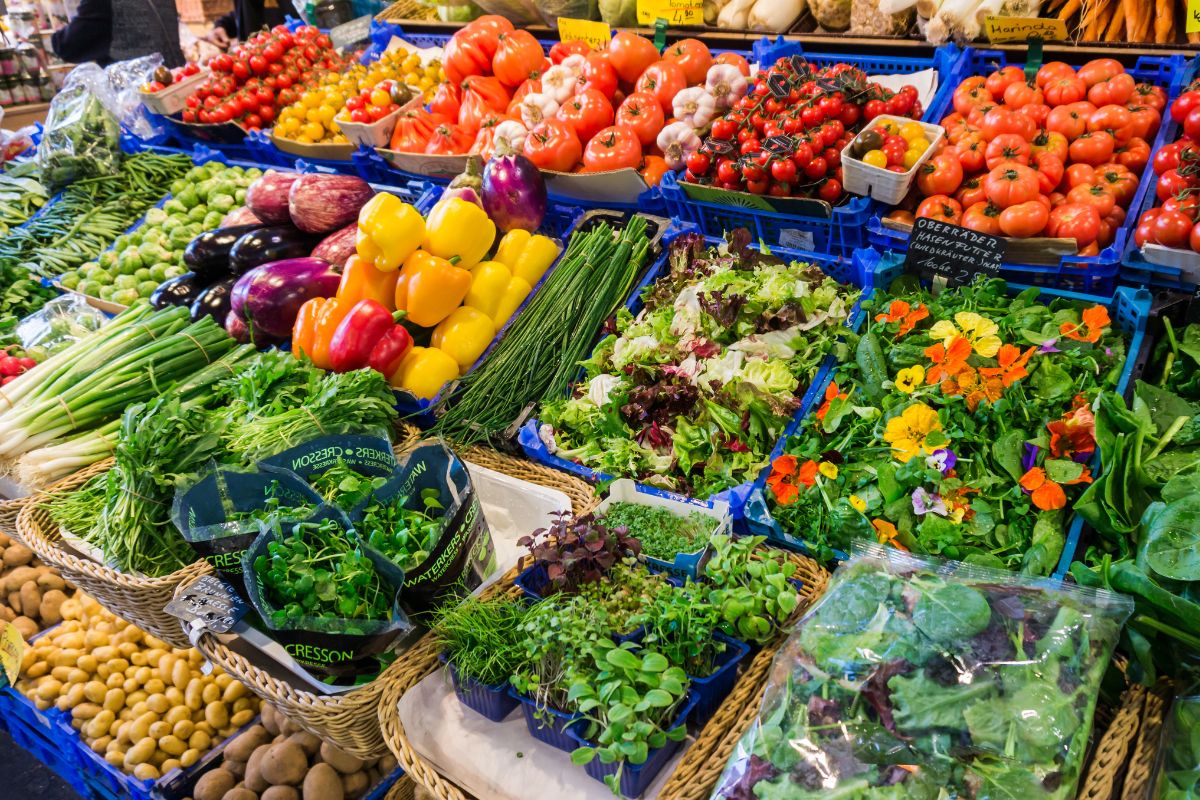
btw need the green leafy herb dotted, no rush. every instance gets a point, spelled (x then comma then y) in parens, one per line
(662, 533)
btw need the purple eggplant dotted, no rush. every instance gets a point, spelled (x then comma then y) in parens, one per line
(208, 254)
(264, 245)
(466, 184)
(514, 193)
(320, 203)
(267, 197)
(213, 301)
(182, 290)
(338, 246)
(268, 297)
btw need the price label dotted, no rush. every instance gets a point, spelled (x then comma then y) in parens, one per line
(675, 12)
(1193, 17)
(780, 145)
(596, 34)
(12, 651)
(1018, 29)
(951, 252)
(350, 33)
(718, 147)
(208, 603)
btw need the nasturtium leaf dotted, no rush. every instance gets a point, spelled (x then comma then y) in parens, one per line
(654, 662)
(622, 659)
(659, 698)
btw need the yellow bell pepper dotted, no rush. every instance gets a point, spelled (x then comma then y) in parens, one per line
(527, 256)
(425, 371)
(464, 335)
(458, 228)
(361, 280)
(389, 230)
(496, 291)
(435, 288)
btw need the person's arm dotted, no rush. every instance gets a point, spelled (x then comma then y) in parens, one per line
(87, 36)
(227, 23)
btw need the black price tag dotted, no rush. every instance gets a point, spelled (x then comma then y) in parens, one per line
(951, 252)
(777, 84)
(718, 147)
(780, 145)
(799, 63)
(210, 603)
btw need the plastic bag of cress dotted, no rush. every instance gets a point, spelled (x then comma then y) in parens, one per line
(1058, 156)
(249, 84)
(1173, 222)
(785, 137)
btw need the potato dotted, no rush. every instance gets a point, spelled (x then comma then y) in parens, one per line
(340, 760)
(31, 598)
(114, 699)
(213, 785)
(284, 763)
(26, 627)
(85, 711)
(216, 714)
(280, 793)
(355, 783)
(387, 764)
(270, 720)
(177, 714)
(172, 745)
(323, 783)
(95, 691)
(241, 748)
(14, 601)
(17, 555)
(50, 608)
(140, 752)
(310, 744)
(240, 794)
(237, 769)
(233, 691)
(253, 772)
(183, 729)
(241, 718)
(211, 693)
(146, 772)
(51, 581)
(189, 757)
(7, 614)
(200, 740)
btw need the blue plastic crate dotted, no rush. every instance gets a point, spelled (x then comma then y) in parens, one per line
(844, 230)
(861, 270)
(41, 734)
(711, 690)
(1135, 269)
(1090, 274)
(493, 702)
(1129, 308)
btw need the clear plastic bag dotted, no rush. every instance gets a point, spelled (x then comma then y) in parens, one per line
(921, 679)
(82, 138)
(125, 78)
(1178, 768)
(58, 325)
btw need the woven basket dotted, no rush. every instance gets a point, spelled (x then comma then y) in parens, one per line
(1106, 768)
(351, 720)
(133, 599)
(402, 789)
(702, 763)
(1139, 773)
(9, 510)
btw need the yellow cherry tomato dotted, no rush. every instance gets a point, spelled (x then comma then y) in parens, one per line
(313, 131)
(920, 145)
(875, 158)
(911, 131)
(911, 157)
(887, 126)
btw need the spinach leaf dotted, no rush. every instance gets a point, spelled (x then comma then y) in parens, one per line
(1172, 532)
(1164, 406)
(952, 612)
(921, 703)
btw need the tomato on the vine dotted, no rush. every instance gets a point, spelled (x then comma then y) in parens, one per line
(1172, 229)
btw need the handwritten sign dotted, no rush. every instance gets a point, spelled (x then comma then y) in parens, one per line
(350, 33)
(1193, 17)
(12, 651)
(208, 603)
(596, 34)
(1018, 29)
(939, 249)
(675, 12)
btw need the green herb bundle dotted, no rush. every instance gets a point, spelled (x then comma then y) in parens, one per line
(663, 534)
(483, 637)
(405, 535)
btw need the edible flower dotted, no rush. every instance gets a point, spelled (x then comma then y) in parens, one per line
(905, 314)
(1048, 346)
(990, 390)
(1074, 435)
(1091, 326)
(943, 460)
(979, 331)
(886, 533)
(1045, 493)
(949, 358)
(925, 503)
(1012, 365)
(829, 470)
(907, 431)
(857, 503)
(907, 380)
(808, 473)
(831, 394)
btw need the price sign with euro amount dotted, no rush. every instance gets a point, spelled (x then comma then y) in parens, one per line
(675, 12)
(952, 253)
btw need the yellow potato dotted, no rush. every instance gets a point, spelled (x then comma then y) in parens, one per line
(146, 772)
(159, 729)
(158, 703)
(192, 694)
(216, 714)
(189, 757)
(141, 752)
(154, 686)
(114, 699)
(95, 691)
(183, 729)
(211, 693)
(241, 718)
(171, 745)
(199, 740)
(85, 711)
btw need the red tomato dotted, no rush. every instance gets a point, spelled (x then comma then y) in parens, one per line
(970, 153)
(1019, 93)
(664, 80)
(1172, 229)
(1117, 89)
(1194, 239)
(1167, 156)
(1189, 205)
(1100, 69)
(999, 81)
(1172, 183)
(630, 54)
(449, 139)
(982, 217)
(942, 174)
(1064, 90)
(1145, 121)
(941, 208)
(462, 56)
(830, 191)
(446, 100)
(1051, 142)
(1184, 104)
(730, 58)
(966, 97)
(1079, 173)
(641, 113)
(561, 50)
(1053, 70)
(1038, 112)
(587, 113)
(971, 191)
(1070, 120)
(1095, 147)
(1149, 95)
(598, 74)
(1074, 221)
(518, 57)
(1144, 232)
(1049, 169)
(612, 148)
(1118, 180)
(692, 56)
(1191, 124)
(1117, 120)
(1002, 120)
(1093, 194)
(1007, 147)
(1010, 185)
(482, 97)
(1024, 219)
(553, 145)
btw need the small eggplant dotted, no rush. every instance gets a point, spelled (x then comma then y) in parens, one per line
(264, 245)
(214, 301)
(208, 254)
(182, 290)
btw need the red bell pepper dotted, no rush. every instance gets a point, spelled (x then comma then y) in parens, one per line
(357, 334)
(390, 351)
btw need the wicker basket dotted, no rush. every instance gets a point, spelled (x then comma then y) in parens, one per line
(9, 510)
(351, 720)
(702, 763)
(1106, 767)
(134, 599)
(1139, 774)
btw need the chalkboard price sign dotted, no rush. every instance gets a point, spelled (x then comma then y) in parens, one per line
(951, 252)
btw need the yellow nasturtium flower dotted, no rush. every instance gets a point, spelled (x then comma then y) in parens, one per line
(975, 328)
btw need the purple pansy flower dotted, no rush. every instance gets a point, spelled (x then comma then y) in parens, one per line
(1048, 347)
(942, 459)
(1029, 460)
(926, 503)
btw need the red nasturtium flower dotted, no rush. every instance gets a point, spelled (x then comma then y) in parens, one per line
(905, 314)
(1075, 433)
(947, 362)
(1012, 364)
(783, 469)
(1091, 327)
(831, 394)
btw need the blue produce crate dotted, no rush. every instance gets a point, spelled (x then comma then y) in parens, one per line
(493, 702)
(1129, 308)
(42, 735)
(844, 230)
(862, 270)
(710, 691)
(1135, 269)
(1090, 274)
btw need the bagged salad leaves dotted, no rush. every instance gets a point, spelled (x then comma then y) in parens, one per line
(692, 393)
(921, 679)
(1178, 768)
(82, 138)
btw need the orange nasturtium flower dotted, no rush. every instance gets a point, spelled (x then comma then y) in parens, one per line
(808, 473)
(1045, 493)
(989, 390)
(886, 533)
(831, 394)
(905, 314)
(1094, 321)
(1012, 364)
(947, 361)
(1075, 433)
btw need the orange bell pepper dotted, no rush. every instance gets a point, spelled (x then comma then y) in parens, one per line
(435, 289)
(332, 314)
(414, 263)
(304, 329)
(361, 280)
